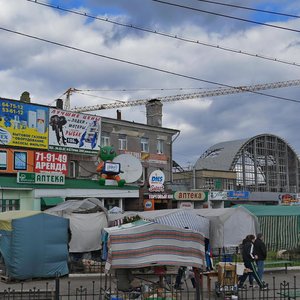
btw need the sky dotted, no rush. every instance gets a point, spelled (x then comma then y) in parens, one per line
(108, 49)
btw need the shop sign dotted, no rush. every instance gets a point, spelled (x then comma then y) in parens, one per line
(186, 205)
(149, 204)
(244, 195)
(156, 181)
(53, 162)
(40, 178)
(218, 196)
(73, 132)
(289, 199)
(190, 196)
(23, 125)
(160, 196)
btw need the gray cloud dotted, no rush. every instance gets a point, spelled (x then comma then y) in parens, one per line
(47, 71)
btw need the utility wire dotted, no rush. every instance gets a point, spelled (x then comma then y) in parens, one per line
(226, 16)
(183, 39)
(251, 9)
(142, 65)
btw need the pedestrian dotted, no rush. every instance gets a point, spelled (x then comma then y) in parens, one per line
(189, 272)
(261, 251)
(250, 276)
(249, 263)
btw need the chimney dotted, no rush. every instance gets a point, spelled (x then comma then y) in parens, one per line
(59, 103)
(154, 112)
(119, 115)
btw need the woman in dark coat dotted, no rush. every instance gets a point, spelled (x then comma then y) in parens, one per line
(249, 262)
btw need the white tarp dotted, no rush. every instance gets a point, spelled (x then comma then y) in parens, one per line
(86, 231)
(229, 226)
(87, 219)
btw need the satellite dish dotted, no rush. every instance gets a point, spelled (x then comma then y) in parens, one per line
(131, 167)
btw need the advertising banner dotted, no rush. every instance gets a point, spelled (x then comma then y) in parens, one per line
(51, 162)
(23, 125)
(73, 132)
(218, 195)
(238, 194)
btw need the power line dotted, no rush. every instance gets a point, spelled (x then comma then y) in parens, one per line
(226, 16)
(251, 9)
(183, 39)
(142, 65)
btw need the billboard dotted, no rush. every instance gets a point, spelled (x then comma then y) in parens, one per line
(51, 162)
(23, 125)
(73, 132)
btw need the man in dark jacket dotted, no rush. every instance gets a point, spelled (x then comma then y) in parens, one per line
(249, 263)
(261, 252)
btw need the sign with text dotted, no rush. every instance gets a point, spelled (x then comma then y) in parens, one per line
(217, 196)
(238, 194)
(23, 124)
(73, 132)
(188, 196)
(51, 162)
(40, 178)
(156, 181)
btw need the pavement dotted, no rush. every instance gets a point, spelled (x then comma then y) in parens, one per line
(95, 281)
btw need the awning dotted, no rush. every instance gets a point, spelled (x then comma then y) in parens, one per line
(51, 201)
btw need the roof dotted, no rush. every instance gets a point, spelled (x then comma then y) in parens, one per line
(273, 210)
(78, 206)
(7, 217)
(220, 156)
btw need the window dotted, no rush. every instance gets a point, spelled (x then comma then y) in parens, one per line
(160, 147)
(3, 160)
(73, 169)
(144, 144)
(11, 204)
(105, 139)
(20, 160)
(122, 142)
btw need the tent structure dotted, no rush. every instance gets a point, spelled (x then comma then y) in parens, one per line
(33, 244)
(180, 218)
(229, 226)
(280, 225)
(143, 243)
(87, 219)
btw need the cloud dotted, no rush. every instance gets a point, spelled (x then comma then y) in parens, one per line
(47, 70)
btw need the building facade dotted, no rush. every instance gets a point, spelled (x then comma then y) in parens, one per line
(261, 169)
(37, 139)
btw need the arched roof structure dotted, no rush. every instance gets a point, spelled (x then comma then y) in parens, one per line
(263, 163)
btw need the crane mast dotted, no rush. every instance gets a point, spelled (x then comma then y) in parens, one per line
(203, 94)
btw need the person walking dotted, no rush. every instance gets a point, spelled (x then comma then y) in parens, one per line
(260, 251)
(249, 263)
(250, 276)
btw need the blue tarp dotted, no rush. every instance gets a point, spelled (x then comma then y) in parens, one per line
(34, 246)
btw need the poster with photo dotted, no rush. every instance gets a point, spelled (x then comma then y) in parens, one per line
(23, 124)
(74, 132)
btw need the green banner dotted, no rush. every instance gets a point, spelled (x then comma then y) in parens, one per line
(40, 178)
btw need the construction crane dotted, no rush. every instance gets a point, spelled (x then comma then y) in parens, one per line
(203, 94)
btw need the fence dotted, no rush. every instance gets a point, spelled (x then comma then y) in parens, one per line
(107, 287)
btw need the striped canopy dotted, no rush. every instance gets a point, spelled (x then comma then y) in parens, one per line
(280, 225)
(142, 244)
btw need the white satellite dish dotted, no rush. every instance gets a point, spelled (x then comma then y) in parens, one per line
(131, 167)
